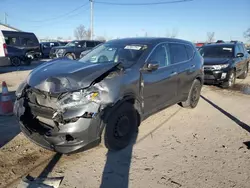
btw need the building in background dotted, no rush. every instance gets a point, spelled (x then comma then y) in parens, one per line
(8, 27)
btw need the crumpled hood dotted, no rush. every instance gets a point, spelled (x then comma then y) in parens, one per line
(64, 75)
(215, 61)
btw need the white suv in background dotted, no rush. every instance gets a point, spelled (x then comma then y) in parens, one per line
(4, 59)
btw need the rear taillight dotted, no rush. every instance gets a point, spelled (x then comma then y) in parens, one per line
(5, 49)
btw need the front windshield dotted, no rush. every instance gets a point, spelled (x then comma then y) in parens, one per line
(72, 44)
(217, 51)
(115, 53)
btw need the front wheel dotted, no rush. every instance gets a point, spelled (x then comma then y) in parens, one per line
(70, 56)
(193, 96)
(120, 128)
(231, 81)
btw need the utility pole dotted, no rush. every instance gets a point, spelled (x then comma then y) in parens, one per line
(5, 18)
(91, 19)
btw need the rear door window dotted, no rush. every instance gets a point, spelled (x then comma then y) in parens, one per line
(178, 53)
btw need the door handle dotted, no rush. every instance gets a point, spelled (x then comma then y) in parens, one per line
(192, 66)
(173, 74)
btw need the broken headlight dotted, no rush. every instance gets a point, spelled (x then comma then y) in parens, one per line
(20, 89)
(78, 98)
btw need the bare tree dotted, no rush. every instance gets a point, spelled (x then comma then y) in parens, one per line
(81, 33)
(210, 36)
(172, 34)
(247, 34)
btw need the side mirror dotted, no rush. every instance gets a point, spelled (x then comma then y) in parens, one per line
(240, 55)
(152, 66)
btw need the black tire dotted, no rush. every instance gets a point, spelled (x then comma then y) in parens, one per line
(15, 61)
(193, 96)
(244, 74)
(231, 80)
(70, 56)
(120, 128)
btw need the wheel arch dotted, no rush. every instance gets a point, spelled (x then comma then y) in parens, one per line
(130, 98)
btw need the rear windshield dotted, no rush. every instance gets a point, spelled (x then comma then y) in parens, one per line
(217, 51)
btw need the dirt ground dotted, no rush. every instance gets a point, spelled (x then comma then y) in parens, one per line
(204, 147)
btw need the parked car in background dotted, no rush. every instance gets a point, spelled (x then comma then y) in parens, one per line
(224, 62)
(73, 49)
(4, 59)
(248, 50)
(47, 46)
(18, 47)
(65, 105)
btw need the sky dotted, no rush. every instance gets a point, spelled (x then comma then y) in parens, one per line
(191, 20)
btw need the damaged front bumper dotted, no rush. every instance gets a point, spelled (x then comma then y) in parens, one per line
(63, 132)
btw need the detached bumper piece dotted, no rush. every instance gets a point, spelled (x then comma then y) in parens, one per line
(30, 182)
(62, 132)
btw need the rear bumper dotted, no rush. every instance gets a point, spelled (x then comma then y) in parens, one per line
(62, 137)
(5, 61)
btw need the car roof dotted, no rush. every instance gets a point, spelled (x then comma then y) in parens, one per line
(145, 40)
(17, 32)
(221, 44)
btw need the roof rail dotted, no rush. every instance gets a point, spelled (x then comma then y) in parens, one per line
(235, 41)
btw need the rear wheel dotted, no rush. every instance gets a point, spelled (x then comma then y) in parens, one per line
(193, 96)
(244, 74)
(231, 80)
(121, 127)
(15, 61)
(70, 56)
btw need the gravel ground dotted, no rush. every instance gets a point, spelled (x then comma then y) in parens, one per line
(204, 147)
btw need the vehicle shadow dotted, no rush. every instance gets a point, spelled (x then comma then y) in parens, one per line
(34, 64)
(230, 116)
(247, 144)
(117, 166)
(9, 127)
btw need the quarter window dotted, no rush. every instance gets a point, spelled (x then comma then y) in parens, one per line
(27, 42)
(178, 53)
(160, 55)
(11, 41)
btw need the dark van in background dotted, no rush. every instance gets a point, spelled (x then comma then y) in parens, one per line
(73, 49)
(20, 47)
